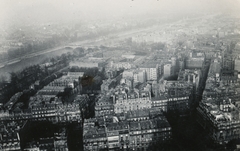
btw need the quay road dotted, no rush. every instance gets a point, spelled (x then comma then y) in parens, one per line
(99, 40)
(6, 67)
(93, 41)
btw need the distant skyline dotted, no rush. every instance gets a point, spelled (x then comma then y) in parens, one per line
(23, 12)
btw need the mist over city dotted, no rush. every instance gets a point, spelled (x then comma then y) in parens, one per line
(156, 75)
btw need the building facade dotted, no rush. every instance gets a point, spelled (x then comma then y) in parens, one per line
(133, 100)
(151, 71)
(134, 133)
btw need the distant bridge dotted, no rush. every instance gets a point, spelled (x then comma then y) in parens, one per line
(76, 46)
(73, 46)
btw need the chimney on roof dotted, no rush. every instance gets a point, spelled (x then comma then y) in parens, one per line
(132, 80)
(114, 99)
(185, 76)
(194, 78)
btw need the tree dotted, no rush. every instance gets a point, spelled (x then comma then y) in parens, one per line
(29, 48)
(53, 60)
(129, 41)
(3, 79)
(14, 78)
(102, 47)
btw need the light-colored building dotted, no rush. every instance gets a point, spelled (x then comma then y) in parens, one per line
(167, 70)
(191, 76)
(128, 56)
(237, 65)
(128, 73)
(132, 100)
(151, 71)
(87, 64)
(124, 65)
(75, 75)
(195, 62)
(83, 64)
(139, 76)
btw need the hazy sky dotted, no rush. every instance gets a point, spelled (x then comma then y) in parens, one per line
(40, 11)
